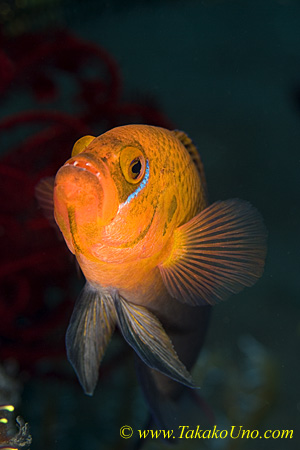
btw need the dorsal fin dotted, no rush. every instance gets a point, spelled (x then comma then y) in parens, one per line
(194, 154)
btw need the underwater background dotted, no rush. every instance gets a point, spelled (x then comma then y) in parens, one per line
(228, 74)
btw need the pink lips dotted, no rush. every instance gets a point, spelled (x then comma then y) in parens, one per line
(85, 165)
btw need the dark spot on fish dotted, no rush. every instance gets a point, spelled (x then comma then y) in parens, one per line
(171, 212)
(172, 209)
(165, 228)
(73, 229)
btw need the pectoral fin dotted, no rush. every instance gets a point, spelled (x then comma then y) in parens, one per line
(143, 331)
(44, 195)
(216, 254)
(91, 326)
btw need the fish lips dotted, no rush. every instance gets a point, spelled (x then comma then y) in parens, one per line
(85, 196)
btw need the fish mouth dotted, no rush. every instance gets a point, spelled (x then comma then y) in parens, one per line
(79, 177)
(85, 164)
(85, 199)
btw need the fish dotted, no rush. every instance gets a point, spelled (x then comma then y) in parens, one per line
(132, 206)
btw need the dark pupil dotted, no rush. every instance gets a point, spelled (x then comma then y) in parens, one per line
(136, 167)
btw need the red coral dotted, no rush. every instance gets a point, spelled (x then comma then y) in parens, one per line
(35, 267)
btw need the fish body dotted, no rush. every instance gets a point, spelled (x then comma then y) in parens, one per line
(134, 233)
(132, 206)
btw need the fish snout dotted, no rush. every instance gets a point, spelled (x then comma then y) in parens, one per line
(85, 194)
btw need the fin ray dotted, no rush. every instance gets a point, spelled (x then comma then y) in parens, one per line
(44, 195)
(218, 253)
(143, 331)
(91, 326)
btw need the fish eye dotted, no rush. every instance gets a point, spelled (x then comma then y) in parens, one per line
(132, 162)
(135, 168)
(81, 144)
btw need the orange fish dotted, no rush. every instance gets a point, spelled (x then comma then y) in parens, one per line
(132, 206)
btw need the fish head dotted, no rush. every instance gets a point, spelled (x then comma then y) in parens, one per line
(115, 188)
